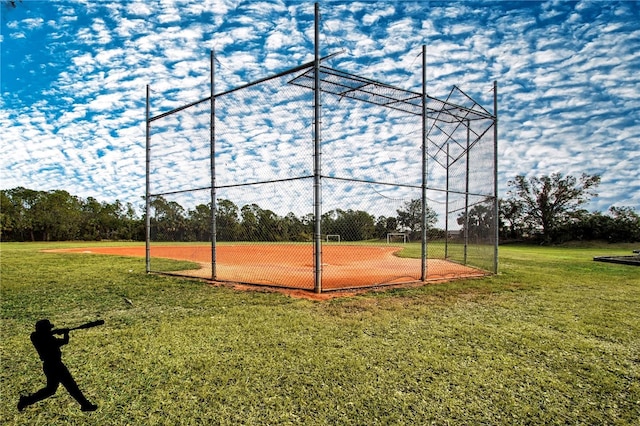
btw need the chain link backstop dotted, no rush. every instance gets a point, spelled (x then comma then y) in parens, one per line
(368, 163)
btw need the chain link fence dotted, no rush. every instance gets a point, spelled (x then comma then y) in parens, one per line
(258, 164)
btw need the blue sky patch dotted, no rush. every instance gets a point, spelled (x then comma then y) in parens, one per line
(73, 77)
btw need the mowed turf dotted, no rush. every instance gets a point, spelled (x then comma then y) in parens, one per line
(553, 339)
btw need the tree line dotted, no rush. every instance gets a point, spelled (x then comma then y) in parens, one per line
(31, 215)
(548, 209)
(544, 209)
(171, 222)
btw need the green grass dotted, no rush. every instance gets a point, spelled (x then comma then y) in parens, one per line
(553, 339)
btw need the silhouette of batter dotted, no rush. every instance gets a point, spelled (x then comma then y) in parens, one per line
(48, 347)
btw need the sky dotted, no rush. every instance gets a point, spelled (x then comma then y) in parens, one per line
(74, 77)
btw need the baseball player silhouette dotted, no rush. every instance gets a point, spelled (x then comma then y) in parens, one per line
(48, 347)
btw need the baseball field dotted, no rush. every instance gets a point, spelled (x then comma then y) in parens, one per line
(291, 265)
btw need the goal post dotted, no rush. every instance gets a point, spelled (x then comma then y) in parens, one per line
(397, 235)
(333, 237)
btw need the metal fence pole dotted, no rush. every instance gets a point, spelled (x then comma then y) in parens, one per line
(147, 208)
(423, 270)
(446, 209)
(496, 204)
(212, 160)
(317, 169)
(466, 196)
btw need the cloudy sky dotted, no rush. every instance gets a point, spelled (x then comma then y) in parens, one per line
(74, 73)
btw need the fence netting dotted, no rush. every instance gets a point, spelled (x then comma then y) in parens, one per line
(263, 179)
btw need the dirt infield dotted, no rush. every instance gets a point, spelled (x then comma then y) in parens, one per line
(291, 266)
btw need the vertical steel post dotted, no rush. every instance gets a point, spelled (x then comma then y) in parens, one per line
(496, 205)
(212, 159)
(317, 169)
(423, 238)
(147, 190)
(466, 197)
(446, 209)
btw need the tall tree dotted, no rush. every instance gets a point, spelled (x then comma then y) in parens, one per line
(58, 216)
(169, 219)
(227, 227)
(200, 222)
(411, 217)
(351, 225)
(625, 224)
(132, 227)
(480, 224)
(295, 229)
(384, 225)
(549, 201)
(21, 208)
(249, 225)
(7, 215)
(512, 224)
(269, 225)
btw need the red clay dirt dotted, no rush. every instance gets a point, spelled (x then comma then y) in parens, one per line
(344, 267)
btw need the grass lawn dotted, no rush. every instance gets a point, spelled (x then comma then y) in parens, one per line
(553, 339)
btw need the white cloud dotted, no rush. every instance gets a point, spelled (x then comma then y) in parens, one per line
(101, 31)
(84, 61)
(138, 8)
(128, 28)
(567, 86)
(373, 17)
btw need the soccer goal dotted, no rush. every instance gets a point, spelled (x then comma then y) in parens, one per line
(333, 237)
(396, 237)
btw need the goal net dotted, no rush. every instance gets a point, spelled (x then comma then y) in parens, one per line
(393, 237)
